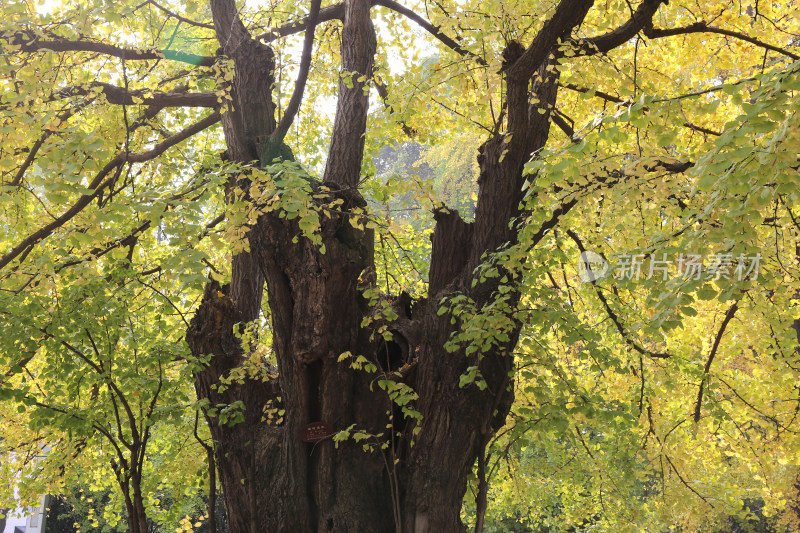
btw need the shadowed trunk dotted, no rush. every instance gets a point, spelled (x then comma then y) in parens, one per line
(403, 476)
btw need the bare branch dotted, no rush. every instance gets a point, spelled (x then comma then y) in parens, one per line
(700, 129)
(36, 147)
(564, 126)
(728, 317)
(686, 483)
(430, 28)
(623, 333)
(175, 15)
(326, 14)
(617, 100)
(383, 92)
(336, 12)
(594, 92)
(612, 315)
(169, 301)
(168, 143)
(101, 181)
(703, 27)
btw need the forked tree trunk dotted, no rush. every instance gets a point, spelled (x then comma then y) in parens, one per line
(134, 505)
(414, 482)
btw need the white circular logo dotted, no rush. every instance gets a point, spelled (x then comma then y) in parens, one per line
(592, 267)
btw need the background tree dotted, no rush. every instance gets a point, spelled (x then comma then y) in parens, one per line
(112, 155)
(103, 394)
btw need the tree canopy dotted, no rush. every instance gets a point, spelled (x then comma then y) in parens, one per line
(402, 266)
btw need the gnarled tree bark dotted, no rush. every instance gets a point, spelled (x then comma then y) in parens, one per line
(271, 479)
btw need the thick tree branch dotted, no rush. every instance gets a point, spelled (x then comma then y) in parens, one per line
(231, 32)
(564, 126)
(168, 143)
(336, 12)
(717, 339)
(640, 19)
(450, 243)
(302, 76)
(250, 119)
(347, 142)
(117, 95)
(430, 28)
(28, 41)
(569, 14)
(703, 27)
(326, 14)
(101, 181)
(122, 96)
(502, 158)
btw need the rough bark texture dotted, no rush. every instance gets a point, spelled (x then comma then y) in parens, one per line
(271, 479)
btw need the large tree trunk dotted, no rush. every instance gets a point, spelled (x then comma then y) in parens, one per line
(413, 476)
